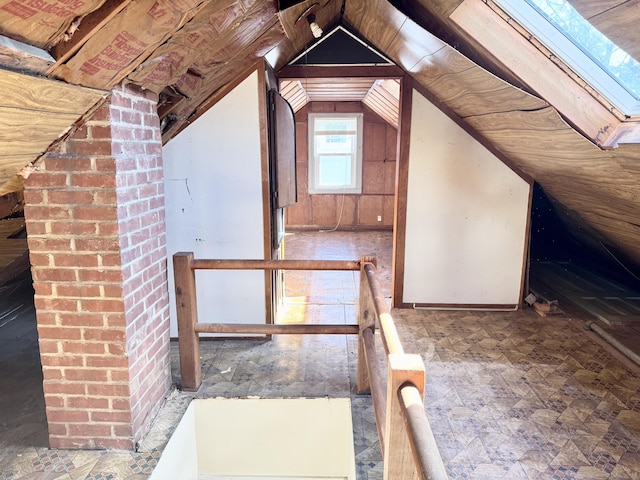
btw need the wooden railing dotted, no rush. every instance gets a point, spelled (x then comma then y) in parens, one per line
(406, 440)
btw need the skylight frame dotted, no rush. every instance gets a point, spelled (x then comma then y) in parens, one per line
(573, 56)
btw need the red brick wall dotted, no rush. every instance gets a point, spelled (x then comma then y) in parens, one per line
(95, 222)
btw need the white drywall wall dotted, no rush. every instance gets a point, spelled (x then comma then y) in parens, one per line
(275, 438)
(213, 182)
(466, 217)
(179, 460)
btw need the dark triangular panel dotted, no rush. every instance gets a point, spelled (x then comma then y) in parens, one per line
(284, 4)
(340, 48)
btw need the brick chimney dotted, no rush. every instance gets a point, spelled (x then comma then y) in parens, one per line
(96, 231)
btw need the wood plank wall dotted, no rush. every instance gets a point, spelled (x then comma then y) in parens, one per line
(348, 212)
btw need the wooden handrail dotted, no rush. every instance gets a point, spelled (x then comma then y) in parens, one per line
(270, 329)
(423, 445)
(339, 265)
(390, 338)
(406, 440)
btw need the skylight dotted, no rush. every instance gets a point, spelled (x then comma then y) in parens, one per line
(605, 66)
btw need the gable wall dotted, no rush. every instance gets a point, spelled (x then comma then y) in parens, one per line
(467, 218)
(378, 177)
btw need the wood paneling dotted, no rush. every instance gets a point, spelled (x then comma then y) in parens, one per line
(411, 45)
(349, 211)
(373, 181)
(370, 207)
(471, 91)
(523, 125)
(375, 138)
(523, 57)
(324, 210)
(295, 94)
(383, 25)
(31, 131)
(390, 173)
(380, 94)
(616, 19)
(23, 92)
(388, 211)
(378, 184)
(384, 99)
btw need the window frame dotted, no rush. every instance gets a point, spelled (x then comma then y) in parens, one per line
(314, 164)
(573, 56)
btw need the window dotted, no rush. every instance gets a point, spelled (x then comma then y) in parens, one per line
(335, 153)
(605, 66)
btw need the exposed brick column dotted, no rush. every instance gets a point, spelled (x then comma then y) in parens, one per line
(96, 231)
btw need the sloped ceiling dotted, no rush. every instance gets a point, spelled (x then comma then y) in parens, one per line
(189, 51)
(380, 95)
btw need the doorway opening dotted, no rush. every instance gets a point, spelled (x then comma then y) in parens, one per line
(339, 224)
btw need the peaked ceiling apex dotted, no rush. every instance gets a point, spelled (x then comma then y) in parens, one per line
(340, 47)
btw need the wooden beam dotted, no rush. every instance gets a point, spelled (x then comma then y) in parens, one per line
(23, 57)
(208, 264)
(349, 71)
(271, 303)
(88, 27)
(390, 338)
(401, 191)
(272, 329)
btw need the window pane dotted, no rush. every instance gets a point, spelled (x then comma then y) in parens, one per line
(620, 65)
(334, 144)
(335, 153)
(334, 170)
(335, 124)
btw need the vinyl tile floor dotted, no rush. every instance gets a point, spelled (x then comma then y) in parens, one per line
(510, 395)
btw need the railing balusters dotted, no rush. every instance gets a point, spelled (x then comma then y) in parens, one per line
(406, 439)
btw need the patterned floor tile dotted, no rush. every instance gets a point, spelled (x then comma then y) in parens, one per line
(52, 461)
(509, 395)
(144, 462)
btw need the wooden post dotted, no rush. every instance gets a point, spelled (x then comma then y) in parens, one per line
(186, 309)
(366, 319)
(398, 457)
